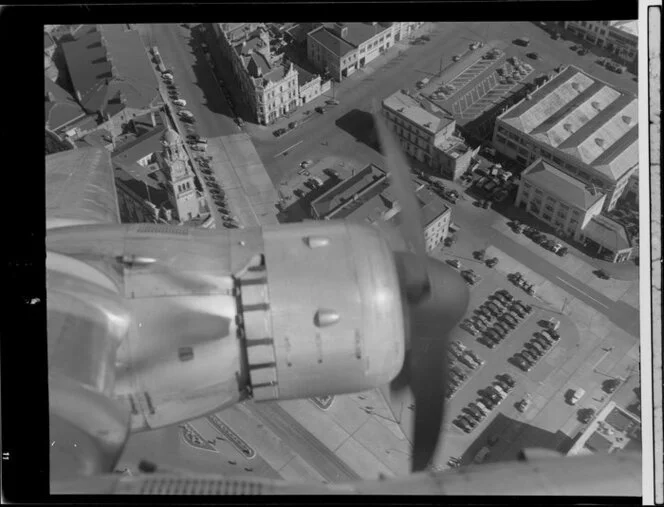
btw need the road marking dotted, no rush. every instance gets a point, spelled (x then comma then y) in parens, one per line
(582, 292)
(287, 149)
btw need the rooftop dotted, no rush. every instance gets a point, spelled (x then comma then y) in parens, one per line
(359, 33)
(361, 200)
(146, 183)
(584, 118)
(433, 119)
(608, 233)
(139, 148)
(345, 190)
(628, 26)
(107, 61)
(62, 108)
(303, 75)
(331, 41)
(562, 185)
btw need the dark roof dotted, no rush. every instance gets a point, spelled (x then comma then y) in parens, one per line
(358, 33)
(560, 184)
(97, 81)
(299, 32)
(345, 190)
(140, 147)
(598, 442)
(62, 109)
(620, 420)
(329, 40)
(147, 185)
(303, 75)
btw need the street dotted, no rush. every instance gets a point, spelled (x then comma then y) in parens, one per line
(193, 77)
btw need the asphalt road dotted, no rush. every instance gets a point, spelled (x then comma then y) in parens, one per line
(479, 222)
(293, 434)
(194, 79)
(447, 40)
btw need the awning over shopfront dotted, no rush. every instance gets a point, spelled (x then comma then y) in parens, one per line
(607, 233)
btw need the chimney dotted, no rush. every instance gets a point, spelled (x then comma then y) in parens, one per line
(153, 119)
(341, 30)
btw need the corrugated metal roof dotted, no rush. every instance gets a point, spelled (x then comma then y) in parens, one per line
(562, 185)
(584, 118)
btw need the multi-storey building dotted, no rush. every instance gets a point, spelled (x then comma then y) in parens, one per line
(159, 183)
(368, 197)
(573, 208)
(581, 125)
(619, 37)
(428, 134)
(269, 85)
(339, 49)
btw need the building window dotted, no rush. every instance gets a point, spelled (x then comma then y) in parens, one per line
(546, 217)
(561, 214)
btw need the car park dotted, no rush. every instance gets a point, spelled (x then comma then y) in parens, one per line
(503, 385)
(491, 394)
(505, 294)
(471, 422)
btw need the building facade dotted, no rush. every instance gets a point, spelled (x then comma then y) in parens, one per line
(573, 208)
(579, 124)
(269, 85)
(428, 134)
(619, 37)
(340, 49)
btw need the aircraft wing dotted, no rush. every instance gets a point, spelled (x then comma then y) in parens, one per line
(80, 188)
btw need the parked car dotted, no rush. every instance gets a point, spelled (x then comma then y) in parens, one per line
(602, 274)
(492, 262)
(487, 401)
(332, 102)
(521, 362)
(475, 406)
(543, 342)
(455, 263)
(306, 163)
(456, 58)
(530, 348)
(523, 404)
(180, 102)
(541, 348)
(503, 385)
(472, 423)
(505, 293)
(484, 340)
(533, 56)
(472, 414)
(462, 425)
(499, 389)
(468, 362)
(502, 326)
(491, 394)
(279, 132)
(507, 378)
(529, 356)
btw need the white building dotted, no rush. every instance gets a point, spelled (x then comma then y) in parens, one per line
(579, 124)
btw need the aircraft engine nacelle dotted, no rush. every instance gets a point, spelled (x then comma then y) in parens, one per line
(329, 319)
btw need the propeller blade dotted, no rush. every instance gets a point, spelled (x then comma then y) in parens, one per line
(410, 216)
(432, 319)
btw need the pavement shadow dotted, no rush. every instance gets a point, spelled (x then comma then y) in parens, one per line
(360, 125)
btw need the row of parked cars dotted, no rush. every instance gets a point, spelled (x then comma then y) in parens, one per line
(489, 398)
(520, 281)
(540, 238)
(459, 353)
(534, 349)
